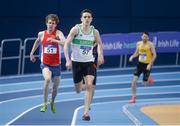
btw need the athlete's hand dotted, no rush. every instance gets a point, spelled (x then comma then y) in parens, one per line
(54, 40)
(32, 58)
(68, 64)
(51, 39)
(100, 60)
(148, 67)
(130, 58)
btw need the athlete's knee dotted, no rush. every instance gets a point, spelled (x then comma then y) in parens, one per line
(78, 87)
(145, 79)
(55, 89)
(133, 83)
(89, 87)
(47, 80)
(54, 92)
(93, 87)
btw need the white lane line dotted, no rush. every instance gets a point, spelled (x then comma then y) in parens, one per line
(133, 118)
(73, 122)
(13, 120)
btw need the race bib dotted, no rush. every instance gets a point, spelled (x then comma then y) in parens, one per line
(50, 49)
(85, 50)
(142, 57)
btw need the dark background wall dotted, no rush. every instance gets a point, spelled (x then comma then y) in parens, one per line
(24, 18)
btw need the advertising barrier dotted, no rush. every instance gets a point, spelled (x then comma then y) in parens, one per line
(118, 44)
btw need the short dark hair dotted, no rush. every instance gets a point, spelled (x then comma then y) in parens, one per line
(53, 17)
(146, 33)
(86, 11)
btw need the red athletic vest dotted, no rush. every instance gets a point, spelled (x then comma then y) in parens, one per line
(50, 54)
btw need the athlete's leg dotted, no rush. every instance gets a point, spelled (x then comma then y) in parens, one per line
(90, 75)
(150, 80)
(133, 89)
(47, 78)
(79, 86)
(88, 95)
(77, 76)
(93, 91)
(137, 73)
(84, 85)
(94, 85)
(56, 82)
(146, 75)
(95, 77)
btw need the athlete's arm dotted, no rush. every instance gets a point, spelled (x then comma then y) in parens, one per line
(35, 46)
(99, 48)
(154, 55)
(59, 38)
(72, 33)
(136, 54)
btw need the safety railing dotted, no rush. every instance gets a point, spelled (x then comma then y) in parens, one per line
(25, 52)
(10, 56)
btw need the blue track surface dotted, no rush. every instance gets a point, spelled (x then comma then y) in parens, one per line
(21, 98)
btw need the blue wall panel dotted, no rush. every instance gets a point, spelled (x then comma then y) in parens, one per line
(155, 8)
(25, 18)
(155, 24)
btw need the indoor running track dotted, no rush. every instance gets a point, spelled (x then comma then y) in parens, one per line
(21, 98)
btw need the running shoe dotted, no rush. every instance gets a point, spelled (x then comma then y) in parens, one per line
(43, 107)
(150, 80)
(132, 100)
(86, 118)
(53, 107)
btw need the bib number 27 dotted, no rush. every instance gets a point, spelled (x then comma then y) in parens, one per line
(85, 50)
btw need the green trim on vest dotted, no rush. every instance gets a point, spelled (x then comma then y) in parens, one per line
(82, 42)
